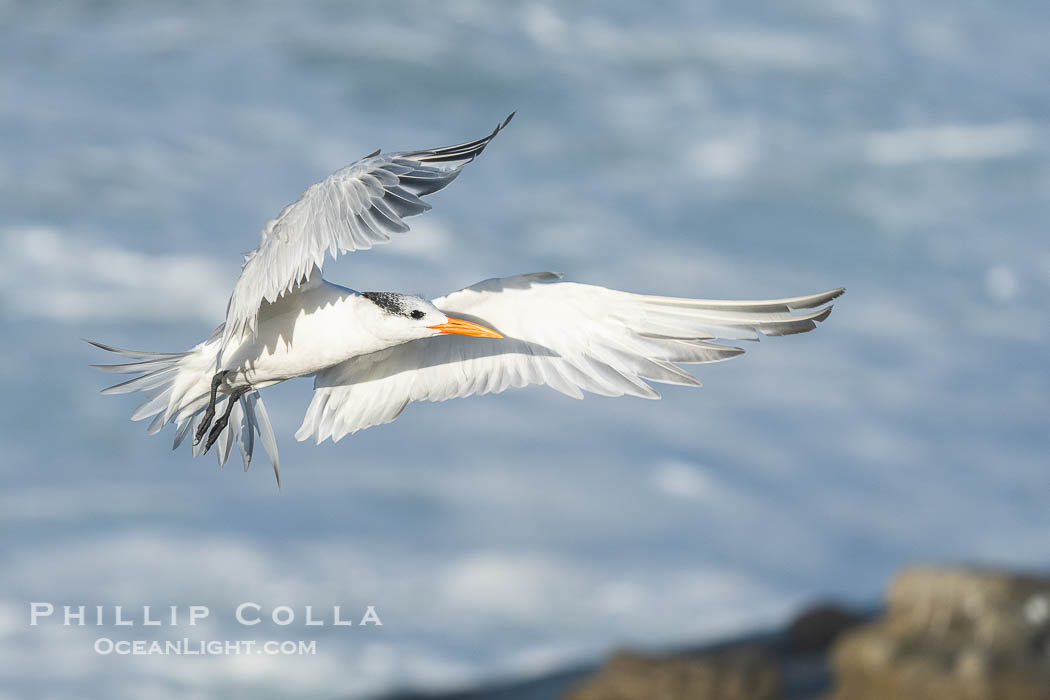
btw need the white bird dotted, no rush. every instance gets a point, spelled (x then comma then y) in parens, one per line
(373, 353)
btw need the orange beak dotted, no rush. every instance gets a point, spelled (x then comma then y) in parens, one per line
(458, 326)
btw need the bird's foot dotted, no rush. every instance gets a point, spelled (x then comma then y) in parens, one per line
(224, 419)
(216, 431)
(209, 414)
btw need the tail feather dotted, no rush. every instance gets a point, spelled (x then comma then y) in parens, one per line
(256, 413)
(176, 386)
(247, 442)
(156, 425)
(141, 383)
(224, 443)
(180, 433)
(135, 354)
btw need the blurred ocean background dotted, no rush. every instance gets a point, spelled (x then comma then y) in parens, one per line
(720, 150)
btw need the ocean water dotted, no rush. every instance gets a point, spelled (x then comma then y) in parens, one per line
(718, 150)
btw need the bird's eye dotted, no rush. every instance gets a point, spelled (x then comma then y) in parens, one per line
(417, 314)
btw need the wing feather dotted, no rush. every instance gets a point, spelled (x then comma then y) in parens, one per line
(355, 208)
(574, 338)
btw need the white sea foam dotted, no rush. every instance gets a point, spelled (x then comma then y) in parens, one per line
(46, 273)
(950, 142)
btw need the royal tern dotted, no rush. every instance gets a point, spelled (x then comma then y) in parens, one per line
(372, 353)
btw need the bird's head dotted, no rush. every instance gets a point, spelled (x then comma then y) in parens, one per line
(403, 317)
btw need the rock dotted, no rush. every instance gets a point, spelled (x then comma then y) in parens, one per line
(816, 628)
(952, 633)
(739, 674)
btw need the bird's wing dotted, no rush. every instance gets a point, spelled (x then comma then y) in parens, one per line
(571, 337)
(352, 209)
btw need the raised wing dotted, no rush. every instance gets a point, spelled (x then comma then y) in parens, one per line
(352, 209)
(571, 337)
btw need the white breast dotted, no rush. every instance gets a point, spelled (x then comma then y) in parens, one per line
(301, 333)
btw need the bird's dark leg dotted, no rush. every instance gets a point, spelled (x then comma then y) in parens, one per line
(224, 420)
(210, 413)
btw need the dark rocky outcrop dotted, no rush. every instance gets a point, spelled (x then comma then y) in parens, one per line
(789, 665)
(952, 633)
(947, 633)
(817, 628)
(739, 674)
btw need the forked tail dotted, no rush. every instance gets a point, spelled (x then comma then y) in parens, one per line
(177, 387)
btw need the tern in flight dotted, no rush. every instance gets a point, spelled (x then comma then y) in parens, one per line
(372, 353)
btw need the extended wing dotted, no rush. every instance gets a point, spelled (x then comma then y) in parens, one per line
(571, 337)
(352, 209)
